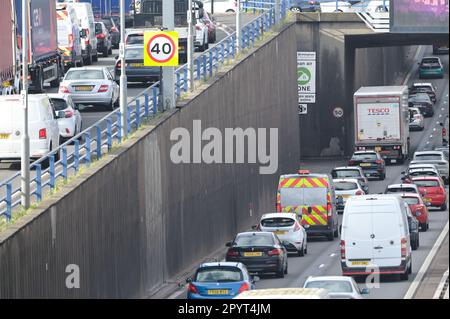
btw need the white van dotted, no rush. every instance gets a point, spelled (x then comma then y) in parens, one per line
(284, 293)
(375, 236)
(69, 40)
(42, 126)
(220, 6)
(85, 18)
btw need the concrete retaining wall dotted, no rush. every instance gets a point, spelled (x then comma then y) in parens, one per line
(139, 219)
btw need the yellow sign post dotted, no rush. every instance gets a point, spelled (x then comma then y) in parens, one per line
(160, 48)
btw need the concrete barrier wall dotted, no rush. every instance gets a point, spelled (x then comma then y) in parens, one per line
(141, 219)
(341, 70)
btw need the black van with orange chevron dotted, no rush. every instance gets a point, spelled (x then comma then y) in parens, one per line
(312, 196)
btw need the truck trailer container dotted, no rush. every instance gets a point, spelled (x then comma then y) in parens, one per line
(8, 59)
(382, 121)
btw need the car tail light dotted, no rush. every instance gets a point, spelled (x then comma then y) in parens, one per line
(273, 252)
(198, 28)
(342, 249)
(359, 192)
(103, 88)
(118, 65)
(101, 36)
(63, 89)
(444, 132)
(42, 134)
(297, 227)
(378, 161)
(69, 114)
(71, 40)
(192, 289)
(403, 241)
(243, 287)
(329, 210)
(114, 29)
(232, 253)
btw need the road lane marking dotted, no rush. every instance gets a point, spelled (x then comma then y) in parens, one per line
(322, 265)
(332, 255)
(426, 264)
(439, 289)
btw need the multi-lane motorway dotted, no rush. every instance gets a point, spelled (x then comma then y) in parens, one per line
(323, 257)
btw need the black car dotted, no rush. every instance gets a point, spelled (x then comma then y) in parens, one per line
(371, 162)
(423, 102)
(413, 225)
(260, 252)
(427, 88)
(113, 29)
(134, 66)
(305, 6)
(103, 39)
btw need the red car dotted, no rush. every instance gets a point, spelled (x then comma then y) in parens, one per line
(209, 21)
(432, 190)
(418, 209)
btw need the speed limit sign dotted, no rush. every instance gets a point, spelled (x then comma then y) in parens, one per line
(161, 48)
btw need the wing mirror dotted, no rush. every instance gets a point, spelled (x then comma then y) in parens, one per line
(229, 244)
(60, 114)
(255, 227)
(428, 204)
(255, 279)
(188, 280)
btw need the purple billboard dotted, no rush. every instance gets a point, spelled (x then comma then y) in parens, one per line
(419, 16)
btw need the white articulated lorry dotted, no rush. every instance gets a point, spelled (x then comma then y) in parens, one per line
(381, 121)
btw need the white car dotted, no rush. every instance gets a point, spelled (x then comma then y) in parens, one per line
(352, 172)
(339, 287)
(402, 188)
(42, 126)
(71, 124)
(433, 157)
(344, 188)
(220, 6)
(416, 119)
(335, 6)
(371, 6)
(288, 228)
(201, 40)
(91, 85)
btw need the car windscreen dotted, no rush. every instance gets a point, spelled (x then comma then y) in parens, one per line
(218, 274)
(411, 200)
(314, 196)
(134, 54)
(427, 183)
(98, 28)
(364, 156)
(401, 190)
(421, 89)
(331, 285)
(345, 186)
(84, 75)
(254, 240)
(419, 98)
(135, 39)
(427, 157)
(430, 63)
(277, 222)
(59, 104)
(345, 173)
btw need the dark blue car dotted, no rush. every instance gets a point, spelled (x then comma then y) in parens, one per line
(219, 280)
(134, 66)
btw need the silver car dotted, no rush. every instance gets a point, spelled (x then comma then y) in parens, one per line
(433, 157)
(91, 85)
(339, 287)
(71, 124)
(416, 119)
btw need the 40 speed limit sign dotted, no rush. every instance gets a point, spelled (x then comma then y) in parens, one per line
(160, 48)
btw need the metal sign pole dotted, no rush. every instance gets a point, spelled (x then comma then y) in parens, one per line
(123, 76)
(190, 47)
(25, 156)
(168, 86)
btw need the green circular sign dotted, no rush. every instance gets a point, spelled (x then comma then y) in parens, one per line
(304, 76)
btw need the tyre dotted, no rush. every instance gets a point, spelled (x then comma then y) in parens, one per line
(110, 51)
(301, 252)
(383, 176)
(105, 52)
(330, 236)
(88, 60)
(443, 207)
(95, 58)
(110, 106)
(410, 269)
(286, 269)
(424, 226)
(405, 276)
(336, 232)
(414, 245)
(280, 274)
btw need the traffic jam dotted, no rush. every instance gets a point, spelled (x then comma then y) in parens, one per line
(371, 212)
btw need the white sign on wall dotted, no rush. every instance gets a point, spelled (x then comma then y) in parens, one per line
(306, 77)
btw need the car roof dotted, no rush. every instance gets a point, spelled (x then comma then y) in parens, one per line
(324, 278)
(283, 293)
(370, 197)
(17, 97)
(365, 152)
(422, 84)
(58, 96)
(431, 57)
(221, 263)
(271, 215)
(424, 165)
(401, 185)
(427, 152)
(423, 169)
(338, 180)
(410, 195)
(90, 67)
(357, 168)
(304, 175)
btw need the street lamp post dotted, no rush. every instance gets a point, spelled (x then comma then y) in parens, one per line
(123, 76)
(190, 47)
(25, 155)
(168, 82)
(238, 25)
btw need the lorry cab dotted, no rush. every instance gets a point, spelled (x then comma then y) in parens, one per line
(312, 196)
(69, 40)
(85, 18)
(375, 236)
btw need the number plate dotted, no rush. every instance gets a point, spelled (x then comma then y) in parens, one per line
(4, 136)
(279, 232)
(137, 65)
(84, 88)
(253, 254)
(365, 164)
(360, 263)
(218, 292)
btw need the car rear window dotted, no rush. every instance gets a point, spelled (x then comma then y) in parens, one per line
(345, 186)
(59, 104)
(135, 39)
(427, 157)
(219, 274)
(331, 285)
(314, 196)
(401, 190)
(98, 28)
(254, 240)
(364, 156)
(345, 173)
(277, 222)
(135, 53)
(422, 173)
(84, 75)
(411, 200)
(419, 98)
(427, 183)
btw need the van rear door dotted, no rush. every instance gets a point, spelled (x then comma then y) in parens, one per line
(387, 237)
(10, 116)
(358, 244)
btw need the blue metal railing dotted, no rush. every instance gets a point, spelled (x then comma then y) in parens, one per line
(97, 140)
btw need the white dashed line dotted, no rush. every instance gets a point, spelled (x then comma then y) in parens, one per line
(440, 115)
(322, 265)
(431, 135)
(428, 142)
(332, 255)
(434, 130)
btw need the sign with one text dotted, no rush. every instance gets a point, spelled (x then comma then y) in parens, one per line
(306, 77)
(161, 48)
